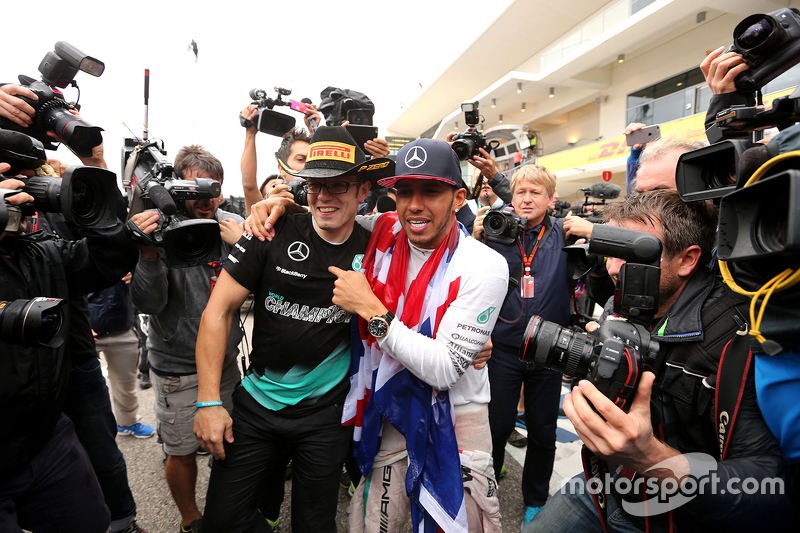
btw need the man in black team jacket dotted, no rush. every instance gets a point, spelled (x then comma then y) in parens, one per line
(46, 479)
(290, 401)
(672, 421)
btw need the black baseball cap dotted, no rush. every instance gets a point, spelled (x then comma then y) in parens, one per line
(427, 159)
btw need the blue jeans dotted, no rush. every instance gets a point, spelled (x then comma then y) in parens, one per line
(576, 512)
(542, 393)
(88, 405)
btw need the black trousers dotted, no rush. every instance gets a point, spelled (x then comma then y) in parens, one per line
(542, 393)
(56, 491)
(317, 445)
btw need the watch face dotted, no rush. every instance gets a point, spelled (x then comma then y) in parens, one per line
(378, 327)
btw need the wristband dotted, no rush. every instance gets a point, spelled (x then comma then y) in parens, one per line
(209, 404)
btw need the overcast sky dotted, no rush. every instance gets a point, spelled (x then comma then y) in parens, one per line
(385, 50)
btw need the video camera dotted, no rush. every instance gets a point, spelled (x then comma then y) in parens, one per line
(58, 69)
(150, 182)
(86, 196)
(34, 322)
(466, 144)
(757, 216)
(338, 105)
(614, 356)
(269, 121)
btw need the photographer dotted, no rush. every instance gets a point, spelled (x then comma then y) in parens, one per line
(175, 311)
(47, 477)
(534, 256)
(293, 151)
(674, 414)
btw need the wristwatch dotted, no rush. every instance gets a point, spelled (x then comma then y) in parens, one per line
(379, 325)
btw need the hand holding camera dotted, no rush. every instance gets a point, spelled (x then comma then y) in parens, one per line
(721, 68)
(16, 109)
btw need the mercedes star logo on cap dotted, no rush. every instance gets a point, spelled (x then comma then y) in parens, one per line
(298, 251)
(416, 157)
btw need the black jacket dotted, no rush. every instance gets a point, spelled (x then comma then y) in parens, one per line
(692, 335)
(33, 380)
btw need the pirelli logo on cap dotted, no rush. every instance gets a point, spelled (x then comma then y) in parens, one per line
(332, 151)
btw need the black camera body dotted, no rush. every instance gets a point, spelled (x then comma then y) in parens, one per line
(299, 193)
(467, 144)
(769, 43)
(614, 356)
(52, 110)
(151, 184)
(502, 226)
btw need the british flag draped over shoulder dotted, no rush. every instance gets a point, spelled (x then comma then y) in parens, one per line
(382, 388)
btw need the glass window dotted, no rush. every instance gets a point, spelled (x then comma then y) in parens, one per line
(702, 99)
(670, 99)
(787, 80)
(667, 108)
(643, 114)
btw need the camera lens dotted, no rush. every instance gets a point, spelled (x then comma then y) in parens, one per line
(87, 205)
(756, 34)
(495, 224)
(769, 230)
(360, 118)
(193, 244)
(463, 148)
(721, 174)
(549, 345)
(190, 242)
(34, 322)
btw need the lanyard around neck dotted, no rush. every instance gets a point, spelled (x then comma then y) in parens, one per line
(527, 260)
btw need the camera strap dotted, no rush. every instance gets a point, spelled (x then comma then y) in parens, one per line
(734, 365)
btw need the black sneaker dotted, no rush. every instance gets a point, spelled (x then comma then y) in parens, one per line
(144, 381)
(194, 527)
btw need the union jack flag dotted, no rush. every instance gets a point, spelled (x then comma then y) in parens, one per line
(383, 389)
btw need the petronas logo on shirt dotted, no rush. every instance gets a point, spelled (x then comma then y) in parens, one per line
(357, 261)
(483, 318)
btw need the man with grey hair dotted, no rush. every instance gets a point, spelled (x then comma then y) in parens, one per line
(652, 166)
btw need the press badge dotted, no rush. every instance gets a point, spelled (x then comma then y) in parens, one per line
(526, 287)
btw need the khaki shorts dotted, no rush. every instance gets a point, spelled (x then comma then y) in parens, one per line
(176, 399)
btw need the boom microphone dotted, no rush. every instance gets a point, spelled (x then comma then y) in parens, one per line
(160, 196)
(312, 121)
(257, 94)
(606, 191)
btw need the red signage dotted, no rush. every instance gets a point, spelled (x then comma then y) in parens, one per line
(606, 175)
